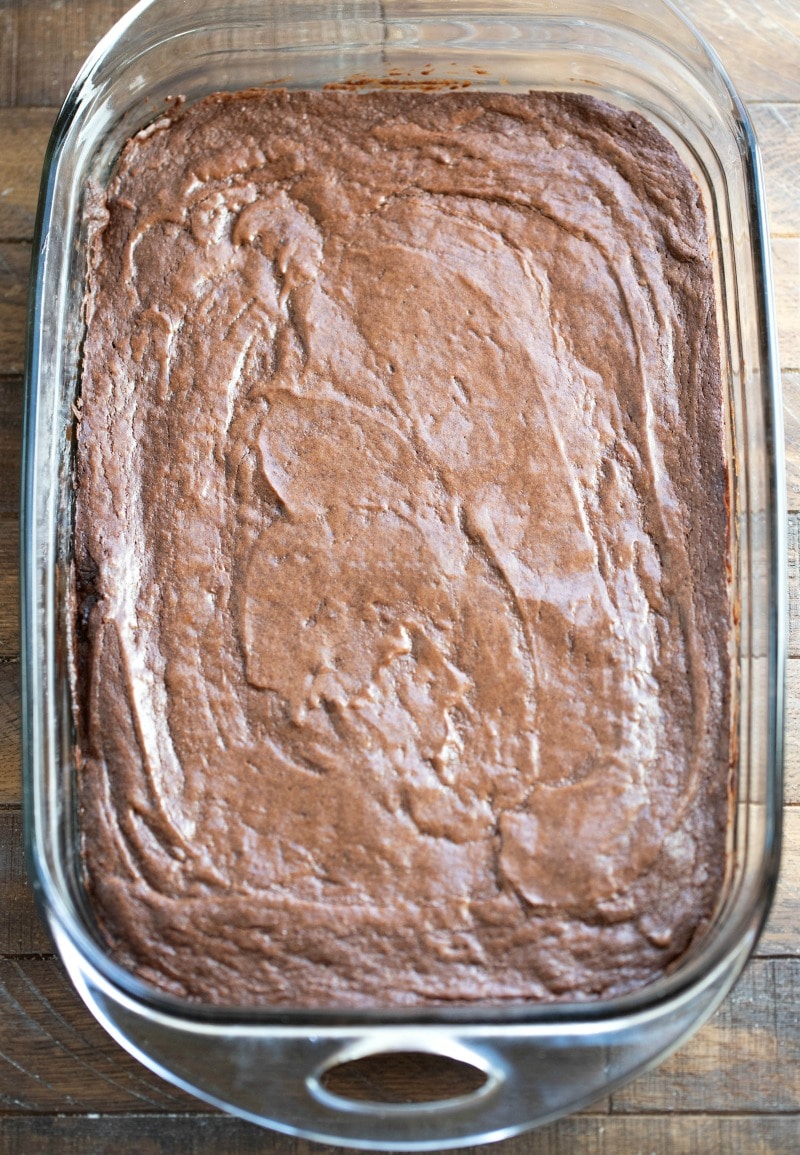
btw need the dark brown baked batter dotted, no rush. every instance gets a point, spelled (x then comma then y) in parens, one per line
(401, 552)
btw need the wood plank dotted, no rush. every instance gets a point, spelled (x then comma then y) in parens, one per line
(9, 587)
(786, 272)
(45, 42)
(205, 1134)
(21, 930)
(10, 730)
(746, 1059)
(791, 421)
(55, 1057)
(11, 390)
(792, 736)
(780, 935)
(778, 129)
(8, 54)
(758, 42)
(15, 260)
(24, 133)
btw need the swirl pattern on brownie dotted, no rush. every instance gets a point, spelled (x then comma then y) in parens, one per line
(401, 552)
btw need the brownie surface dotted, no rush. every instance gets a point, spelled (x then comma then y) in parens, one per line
(401, 552)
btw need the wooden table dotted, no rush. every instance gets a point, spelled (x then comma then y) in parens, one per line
(64, 1085)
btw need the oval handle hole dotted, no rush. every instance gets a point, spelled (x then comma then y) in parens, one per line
(403, 1077)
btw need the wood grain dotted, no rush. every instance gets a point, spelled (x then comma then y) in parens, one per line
(205, 1134)
(55, 1057)
(758, 42)
(21, 930)
(786, 270)
(791, 419)
(792, 739)
(747, 1058)
(10, 442)
(45, 42)
(9, 587)
(780, 937)
(24, 133)
(8, 52)
(778, 129)
(15, 260)
(10, 729)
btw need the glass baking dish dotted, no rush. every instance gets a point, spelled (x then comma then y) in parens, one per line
(539, 1061)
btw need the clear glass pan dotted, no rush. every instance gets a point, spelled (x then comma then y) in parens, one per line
(541, 1061)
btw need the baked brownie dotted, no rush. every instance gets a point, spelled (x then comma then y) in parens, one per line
(401, 552)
